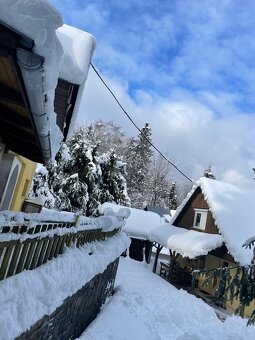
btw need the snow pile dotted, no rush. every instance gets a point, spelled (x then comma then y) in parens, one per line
(233, 210)
(139, 223)
(146, 307)
(26, 297)
(188, 243)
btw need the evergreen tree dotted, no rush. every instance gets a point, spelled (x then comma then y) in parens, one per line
(173, 196)
(208, 172)
(79, 177)
(113, 188)
(138, 158)
(40, 187)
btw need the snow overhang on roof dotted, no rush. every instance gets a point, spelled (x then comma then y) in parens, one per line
(139, 223)
(188, 243)
(232, 208)
(78, 47)
(31, 64)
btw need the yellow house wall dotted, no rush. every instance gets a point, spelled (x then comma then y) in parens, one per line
(22, 187)
(215, 262)
(233, 306)
(210, 263)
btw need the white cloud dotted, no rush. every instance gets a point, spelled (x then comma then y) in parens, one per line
(182, 126)
(186, 67)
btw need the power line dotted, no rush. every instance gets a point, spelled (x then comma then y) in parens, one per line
(131, 120)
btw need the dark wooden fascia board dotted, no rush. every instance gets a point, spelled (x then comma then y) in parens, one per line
(66, 92)
(70, 111)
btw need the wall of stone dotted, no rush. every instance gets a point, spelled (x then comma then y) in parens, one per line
(77, 312)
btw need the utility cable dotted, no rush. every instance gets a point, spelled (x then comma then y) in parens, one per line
(131, 120)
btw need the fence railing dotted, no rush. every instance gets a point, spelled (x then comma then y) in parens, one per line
(23, 247)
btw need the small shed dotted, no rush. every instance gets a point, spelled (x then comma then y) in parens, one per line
(138, 227)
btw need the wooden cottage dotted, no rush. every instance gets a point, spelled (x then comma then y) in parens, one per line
(208, 231)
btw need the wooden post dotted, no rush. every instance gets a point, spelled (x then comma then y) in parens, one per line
(193, 283)
(159, 248)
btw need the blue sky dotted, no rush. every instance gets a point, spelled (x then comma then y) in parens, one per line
(186, 67)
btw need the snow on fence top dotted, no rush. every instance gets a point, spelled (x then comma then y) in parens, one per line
(139, 223)
(39, 20)
(188, 243)
(69, 222)
(232, 208)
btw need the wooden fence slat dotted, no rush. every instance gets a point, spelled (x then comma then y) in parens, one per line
(53, 249)
(6, 261)
(29, 256)
(48, 251)
(23, 256)
(59, 244)
(14, 260)
(36, 254)
(43, 252)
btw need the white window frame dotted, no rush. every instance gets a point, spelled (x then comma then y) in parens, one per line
(203, 217)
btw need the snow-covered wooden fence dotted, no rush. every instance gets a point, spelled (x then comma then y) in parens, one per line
(29, 243)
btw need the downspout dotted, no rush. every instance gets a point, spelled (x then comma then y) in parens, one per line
(31, 69)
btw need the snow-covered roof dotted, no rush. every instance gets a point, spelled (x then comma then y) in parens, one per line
(139, 223)
(78, 47)
(67, 51)
(188, 243)
(232, 208)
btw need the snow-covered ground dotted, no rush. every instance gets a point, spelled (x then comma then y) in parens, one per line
(147, 307)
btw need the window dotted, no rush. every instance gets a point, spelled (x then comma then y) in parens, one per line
(200, 219)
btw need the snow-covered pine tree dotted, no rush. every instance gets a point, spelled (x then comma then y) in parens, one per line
(113, 186)
(84, 163)
(173, 197)
(138, 157)
(40, 187)
(208, 172)
(76, 178)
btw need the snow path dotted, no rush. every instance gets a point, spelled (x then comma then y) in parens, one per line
(147, 307)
